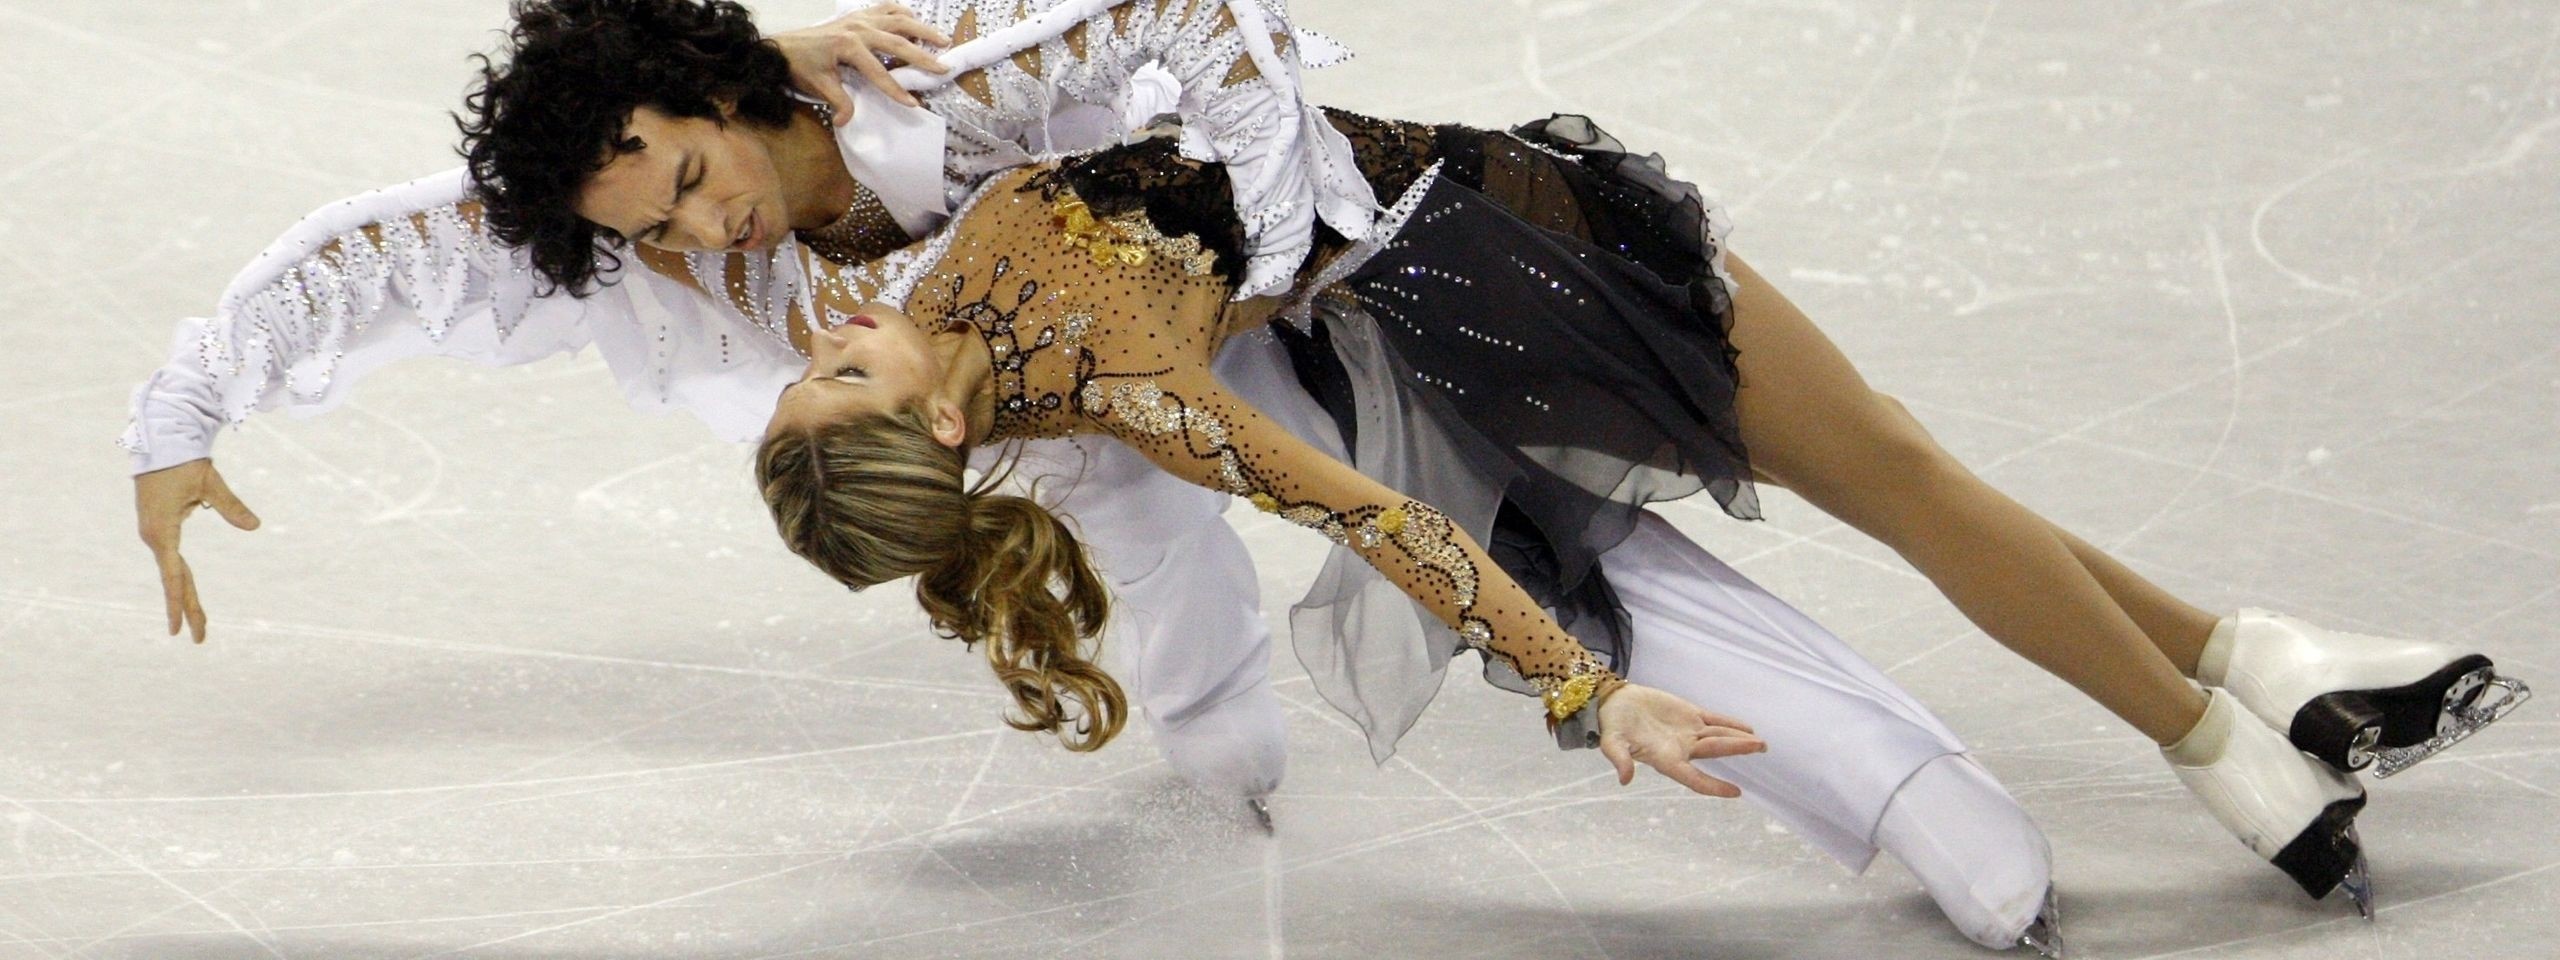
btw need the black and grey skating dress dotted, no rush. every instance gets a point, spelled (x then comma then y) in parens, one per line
(1533, 343)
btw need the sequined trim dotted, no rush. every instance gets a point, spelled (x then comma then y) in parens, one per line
(1253, 124)
(1018, 410)
(890, 279)
(1328, 281)
(864, 232)
(297, 325)
(761, 287)
(1431, 539)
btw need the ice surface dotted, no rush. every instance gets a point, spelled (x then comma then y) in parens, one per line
(2260, 295)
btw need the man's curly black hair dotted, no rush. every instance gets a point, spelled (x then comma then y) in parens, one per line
(551, 115)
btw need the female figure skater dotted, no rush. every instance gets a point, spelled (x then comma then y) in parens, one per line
(1542, 326)
(705, 325)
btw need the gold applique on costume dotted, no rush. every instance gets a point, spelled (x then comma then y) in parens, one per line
(1567, 698)
(1127, 239)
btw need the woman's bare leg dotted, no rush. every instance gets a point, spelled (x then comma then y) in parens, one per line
(2175, 626)
(2178, 628)
(1810, 421)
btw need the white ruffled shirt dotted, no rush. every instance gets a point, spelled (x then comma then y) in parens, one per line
(403, 272)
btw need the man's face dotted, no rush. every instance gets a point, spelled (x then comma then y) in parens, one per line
(697, 184)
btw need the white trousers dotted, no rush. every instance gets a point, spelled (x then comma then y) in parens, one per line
(1186, 637)
(1854, 765)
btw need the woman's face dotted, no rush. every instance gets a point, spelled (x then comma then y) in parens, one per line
(697, 184)
(879, 361)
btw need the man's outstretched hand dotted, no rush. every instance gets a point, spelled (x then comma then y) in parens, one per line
(162, 499)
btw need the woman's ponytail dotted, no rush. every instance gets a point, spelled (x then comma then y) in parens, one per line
(876, 498)
(1020, 584)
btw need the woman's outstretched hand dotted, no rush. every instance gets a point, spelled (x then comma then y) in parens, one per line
(1644, 725)
(161, 501)
(857, 41)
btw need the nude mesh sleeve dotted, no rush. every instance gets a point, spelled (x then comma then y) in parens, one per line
(1190, 425)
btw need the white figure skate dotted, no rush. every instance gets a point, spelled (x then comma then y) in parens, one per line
(2352, 700)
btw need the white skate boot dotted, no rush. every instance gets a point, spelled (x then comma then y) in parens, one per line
(2353, 700)
(2292, 810)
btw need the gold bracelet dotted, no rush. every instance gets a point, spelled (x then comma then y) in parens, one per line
(1580, 693)
(1568, 698)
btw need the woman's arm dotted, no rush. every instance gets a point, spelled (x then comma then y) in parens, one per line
(1087, 307)
(1189, 424)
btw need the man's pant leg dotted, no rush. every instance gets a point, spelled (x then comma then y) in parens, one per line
(1854, 763)
(1186, 636)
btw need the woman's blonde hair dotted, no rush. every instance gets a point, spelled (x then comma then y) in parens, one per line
(875, 498)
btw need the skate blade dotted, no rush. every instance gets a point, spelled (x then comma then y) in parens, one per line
(2358, 883)
(1261, 811)
(2044, 934)
(2470, 706)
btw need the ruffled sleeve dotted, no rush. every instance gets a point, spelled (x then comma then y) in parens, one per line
(409, 271)
(399, 272)
(1241, 103)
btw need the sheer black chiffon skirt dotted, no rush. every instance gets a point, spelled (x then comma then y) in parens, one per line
(1536, 342)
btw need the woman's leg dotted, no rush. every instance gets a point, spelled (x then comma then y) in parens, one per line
(1812, 422)
(2175, 626)
(2178, 628)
